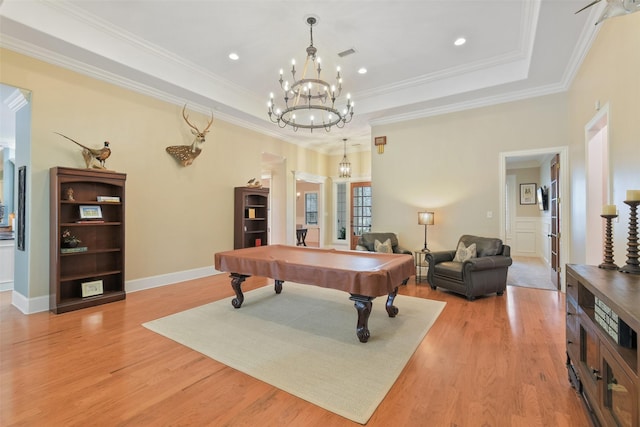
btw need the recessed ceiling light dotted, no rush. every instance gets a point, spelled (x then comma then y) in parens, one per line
(234, 56)
(460, 41)
(362, 71)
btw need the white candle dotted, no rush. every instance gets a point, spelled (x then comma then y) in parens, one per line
(609, 210)
(633, 195)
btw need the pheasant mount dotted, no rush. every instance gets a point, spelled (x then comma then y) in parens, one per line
(186, 154)
(93, 157)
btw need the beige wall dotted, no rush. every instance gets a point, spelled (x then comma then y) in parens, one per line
(449, 164)
(177, 217)
(609, 74)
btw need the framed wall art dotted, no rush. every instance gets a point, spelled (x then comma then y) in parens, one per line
(528, 194)
(22, 206)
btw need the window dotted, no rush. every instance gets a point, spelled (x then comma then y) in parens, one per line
(361, 208)
(311, 208)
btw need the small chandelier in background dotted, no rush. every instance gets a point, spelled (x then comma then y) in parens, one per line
(309, 108)
(344, 168)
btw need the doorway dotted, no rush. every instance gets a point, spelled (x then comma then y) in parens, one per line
(308, 204)
(540, 229)
(597, 182)
(15, 147)
(360, 210)
(309, 207)
(273, 176)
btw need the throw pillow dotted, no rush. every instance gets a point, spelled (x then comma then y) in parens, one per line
(383, 247)
(464, 254)
(361, 248)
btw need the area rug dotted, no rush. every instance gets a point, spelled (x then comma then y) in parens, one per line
(304, 342)
(530, 272)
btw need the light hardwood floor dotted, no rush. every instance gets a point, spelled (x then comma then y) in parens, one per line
(497, 361)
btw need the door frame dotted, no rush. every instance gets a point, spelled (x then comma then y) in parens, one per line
(564, 197)
(595, 198)
(322, 205)
(353, 239)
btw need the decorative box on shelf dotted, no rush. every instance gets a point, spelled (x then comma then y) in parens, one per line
(613, 325)
(109, 199)
(73, 250)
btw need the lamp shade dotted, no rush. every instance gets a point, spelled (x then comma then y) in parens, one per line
(426, 218)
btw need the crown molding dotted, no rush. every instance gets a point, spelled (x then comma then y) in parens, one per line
(469, 105)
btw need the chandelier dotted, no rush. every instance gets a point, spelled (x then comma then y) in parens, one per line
(306, 101)
(344, 168)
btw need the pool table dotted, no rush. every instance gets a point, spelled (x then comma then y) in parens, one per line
(364, 275)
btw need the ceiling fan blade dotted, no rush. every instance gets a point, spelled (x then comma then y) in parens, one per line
(588, 6)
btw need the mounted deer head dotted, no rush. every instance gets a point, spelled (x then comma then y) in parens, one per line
(186, 154)
(194, 130)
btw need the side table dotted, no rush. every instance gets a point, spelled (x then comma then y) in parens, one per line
(422, 266)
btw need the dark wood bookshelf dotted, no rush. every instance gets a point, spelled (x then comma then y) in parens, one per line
(103, 260)
(251, 212)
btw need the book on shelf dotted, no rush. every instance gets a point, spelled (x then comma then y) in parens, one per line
(74, 250)
(110, 199)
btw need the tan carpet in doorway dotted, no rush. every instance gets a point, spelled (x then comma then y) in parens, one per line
(530, 272)
(303, 341)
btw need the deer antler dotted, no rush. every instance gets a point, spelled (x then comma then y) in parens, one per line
(192, 126)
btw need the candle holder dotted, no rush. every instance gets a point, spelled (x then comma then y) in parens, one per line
(633, 265)
(608, 263)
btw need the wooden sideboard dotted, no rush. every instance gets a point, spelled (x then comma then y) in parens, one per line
(603, 320)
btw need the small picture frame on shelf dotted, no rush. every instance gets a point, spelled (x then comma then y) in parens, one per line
(90, 289)
(252, 213)
(90, 212)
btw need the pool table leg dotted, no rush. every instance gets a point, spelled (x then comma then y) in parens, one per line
(278, 286)
(236, 283)
(392, 310)
(363, 305)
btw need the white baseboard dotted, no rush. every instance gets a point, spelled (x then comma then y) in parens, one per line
(39, 304)
(29, 305)
(168, 279)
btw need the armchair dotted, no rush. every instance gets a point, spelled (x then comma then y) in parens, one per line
(484, 274)
(367, 242)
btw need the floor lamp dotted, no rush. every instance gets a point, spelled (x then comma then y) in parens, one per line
(425, 218)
